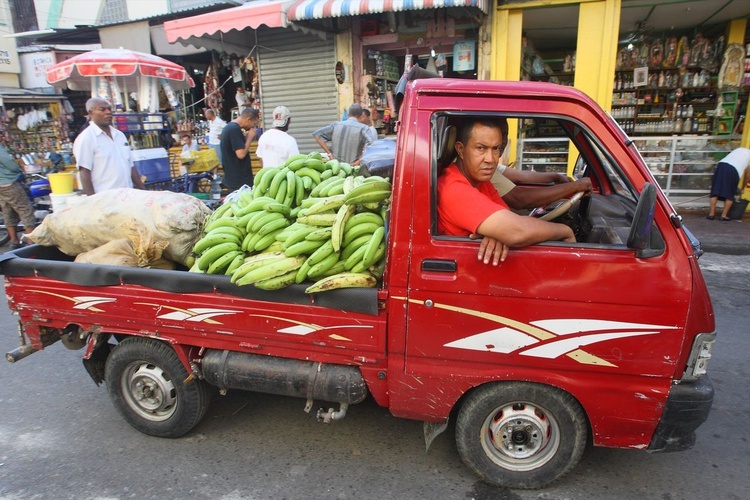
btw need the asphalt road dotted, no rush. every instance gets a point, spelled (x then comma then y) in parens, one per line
(62, 439)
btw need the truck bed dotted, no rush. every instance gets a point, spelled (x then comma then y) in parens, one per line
(49, 262)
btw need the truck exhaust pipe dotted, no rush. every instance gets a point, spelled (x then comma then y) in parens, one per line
(286, 377)
(19, 353)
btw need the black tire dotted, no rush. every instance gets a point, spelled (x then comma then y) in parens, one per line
(539, 434)
(145, 382)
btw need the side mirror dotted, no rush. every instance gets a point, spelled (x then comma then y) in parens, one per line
(640, 231)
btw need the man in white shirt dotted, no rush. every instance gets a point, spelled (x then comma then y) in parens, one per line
(276, 145)
(188, 145)
(102, 152)
(215, 127)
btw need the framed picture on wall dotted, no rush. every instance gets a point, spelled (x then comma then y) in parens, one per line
(640, 77)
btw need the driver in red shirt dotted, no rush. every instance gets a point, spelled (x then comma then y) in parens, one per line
(469, 205)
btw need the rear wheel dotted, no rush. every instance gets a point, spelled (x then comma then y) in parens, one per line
(520, 435)
(145, 382)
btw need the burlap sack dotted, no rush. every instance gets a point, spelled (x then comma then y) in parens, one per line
(137, 250)
(166, 216)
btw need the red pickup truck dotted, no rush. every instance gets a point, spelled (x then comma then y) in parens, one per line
(605, 339)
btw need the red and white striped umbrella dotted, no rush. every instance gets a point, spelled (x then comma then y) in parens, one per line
(78, 72)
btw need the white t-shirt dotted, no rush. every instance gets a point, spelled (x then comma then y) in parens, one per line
(739, 159)
(109, 160)
(275, 146)
(215, 127)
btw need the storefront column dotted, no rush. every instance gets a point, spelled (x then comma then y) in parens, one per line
(596, 54)
(736, 34)
(507, 28)
(344, 54)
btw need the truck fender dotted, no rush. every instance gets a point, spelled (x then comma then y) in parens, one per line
(433, 430)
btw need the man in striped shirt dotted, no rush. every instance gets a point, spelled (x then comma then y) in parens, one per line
(348, 138)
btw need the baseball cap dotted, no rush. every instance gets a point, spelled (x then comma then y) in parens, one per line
(281, 116)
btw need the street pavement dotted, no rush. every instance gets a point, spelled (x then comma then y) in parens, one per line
(729, 238)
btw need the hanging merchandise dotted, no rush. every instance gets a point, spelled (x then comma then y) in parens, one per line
(102, 89)
(171, 96)
(116, 96)
(144, 93)
(463, 55)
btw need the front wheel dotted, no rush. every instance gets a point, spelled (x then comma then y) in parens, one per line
(520, 435)
(145, 382)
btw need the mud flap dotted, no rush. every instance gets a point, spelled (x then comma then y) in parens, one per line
(431, 431)
(95, 363)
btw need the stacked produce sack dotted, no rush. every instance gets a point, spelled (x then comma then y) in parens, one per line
(306, 220)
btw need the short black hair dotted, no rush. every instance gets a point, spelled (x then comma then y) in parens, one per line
(464, 131)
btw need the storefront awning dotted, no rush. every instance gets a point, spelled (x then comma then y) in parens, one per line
(318, 9)
(271, 13)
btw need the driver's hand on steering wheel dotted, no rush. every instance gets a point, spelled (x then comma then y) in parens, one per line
(584, 184)
(490, 249)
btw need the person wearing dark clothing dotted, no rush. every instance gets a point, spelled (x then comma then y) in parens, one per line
(235, 149)
(14, 201)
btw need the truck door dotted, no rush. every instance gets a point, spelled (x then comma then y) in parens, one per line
(552, 311)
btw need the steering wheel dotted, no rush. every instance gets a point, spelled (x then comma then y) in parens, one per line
(564, 206)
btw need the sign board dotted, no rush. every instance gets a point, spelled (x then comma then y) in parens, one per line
(33, 67)
(464, 55)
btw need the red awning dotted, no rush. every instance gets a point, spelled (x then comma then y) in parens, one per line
(318, 9)
(272, 13)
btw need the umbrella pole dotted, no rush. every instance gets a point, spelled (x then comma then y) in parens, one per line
(126, 100)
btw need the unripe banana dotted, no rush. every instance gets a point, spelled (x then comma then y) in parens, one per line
(275, 206)
(277, 283)
(273, 188)
(266, 241)
(326, 205)
(295, 157)
(250, 237)
(316, 155)
(219, 212)
(315, 164)
(355, 245)
(375, 178)
(243, 198)
(326, 220)
(255, 205)
(310, 201)
(321, 234)
(367, 187)
(321, 253)
(219, 265)
(274, 227)
(348, 184)
(368, 258)
(335, 167)
(291, 189)
(266, 180)
(299, 194)
(265, 219)
(234, 231)
(346, 168)
(235, 264)
(342, 280)
(281, 193)
(305, 247)
(307, 182)
(222, 222)
(302, 272)
(365, 228)
(319, 269)
(337, 268)
(211, 240)
(355, 258)
(314, 175)
(299, 235)
(271, 270)
(368, 197)
(255, 262)
(337, 230)
(295, 165)
(333, 186)
(252, 218)
(276, 246)
(209, 256)
(361, 218)
(323, 184)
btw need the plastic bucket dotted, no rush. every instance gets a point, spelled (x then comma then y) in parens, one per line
(61, 183)
(737, 209)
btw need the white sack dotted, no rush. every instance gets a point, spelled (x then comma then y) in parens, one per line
(110, 215)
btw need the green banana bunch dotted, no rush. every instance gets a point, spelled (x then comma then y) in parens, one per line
(269, 270)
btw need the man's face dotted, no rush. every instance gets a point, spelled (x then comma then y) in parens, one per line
(101, 115)
(248, 123)
(479, 157)
(186, 141)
